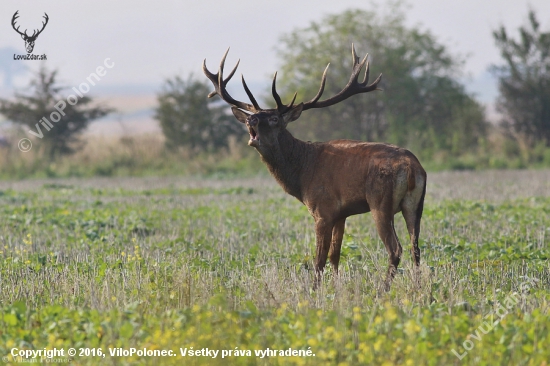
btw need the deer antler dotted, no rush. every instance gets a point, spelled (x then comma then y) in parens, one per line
(220, 84)
(43, 26)
(282, 108)
(13, 19)
(353, 87)
(34, 34)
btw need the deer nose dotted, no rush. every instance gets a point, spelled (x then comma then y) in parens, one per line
(252, 122)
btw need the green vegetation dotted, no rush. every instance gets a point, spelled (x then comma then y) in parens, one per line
(164, 264)
(189, 119)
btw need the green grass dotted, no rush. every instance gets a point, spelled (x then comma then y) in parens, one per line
(226, 265)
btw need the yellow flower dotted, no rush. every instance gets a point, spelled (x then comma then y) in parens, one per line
(411, 328)
(378, 344)
(390, 314)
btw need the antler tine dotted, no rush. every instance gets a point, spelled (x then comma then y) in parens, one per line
(43, 24)
(249, 93)
(276, 96)
(322, 88)
(357, 67)
(13, 19)
(231, 73)
(352, 87)
(366, 77)
(293, 100)
(220, 84)
(220, 68)
(282, 108)
(354, 56)
(367, 71)
(375, 83)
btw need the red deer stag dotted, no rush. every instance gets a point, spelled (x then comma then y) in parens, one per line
(334, 179)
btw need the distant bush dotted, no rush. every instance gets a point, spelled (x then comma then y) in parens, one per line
(189, 119)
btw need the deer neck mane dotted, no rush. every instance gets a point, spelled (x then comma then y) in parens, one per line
(287, 162)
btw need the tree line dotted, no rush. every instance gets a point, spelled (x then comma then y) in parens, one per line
(423, 106)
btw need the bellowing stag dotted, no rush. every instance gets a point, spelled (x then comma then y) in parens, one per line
(334, 179)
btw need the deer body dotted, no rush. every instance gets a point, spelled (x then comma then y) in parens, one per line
(339, 178)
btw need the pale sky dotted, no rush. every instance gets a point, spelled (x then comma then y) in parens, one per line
(151, 40)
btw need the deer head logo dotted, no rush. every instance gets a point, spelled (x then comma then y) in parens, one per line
(29, 40)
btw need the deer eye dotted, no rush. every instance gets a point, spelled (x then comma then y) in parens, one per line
(273, 120)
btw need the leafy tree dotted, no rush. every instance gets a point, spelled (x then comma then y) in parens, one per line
(524, 82)
(28, 111)
(188, 118)
(422, 105)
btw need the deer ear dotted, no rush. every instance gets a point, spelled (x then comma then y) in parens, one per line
(293, 114)
(240, 115)
(23, 36)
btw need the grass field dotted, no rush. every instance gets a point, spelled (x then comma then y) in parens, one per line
(174, 263)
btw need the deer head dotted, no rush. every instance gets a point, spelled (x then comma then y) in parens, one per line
(264, 125)
(29, 40)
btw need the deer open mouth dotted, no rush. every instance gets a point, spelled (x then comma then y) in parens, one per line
(254, 137)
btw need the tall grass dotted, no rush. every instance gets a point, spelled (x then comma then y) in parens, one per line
(139, 155)
(146, 155)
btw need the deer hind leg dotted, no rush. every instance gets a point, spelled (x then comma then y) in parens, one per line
(336, 243)
(384, 224)
(323, 230)
(412, 207)
(413, 227)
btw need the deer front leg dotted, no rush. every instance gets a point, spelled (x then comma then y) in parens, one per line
(336, 244)
(323, 230)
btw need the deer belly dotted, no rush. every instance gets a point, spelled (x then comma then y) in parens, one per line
(354, 208)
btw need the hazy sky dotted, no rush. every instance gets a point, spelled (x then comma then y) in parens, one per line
(151, 40)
